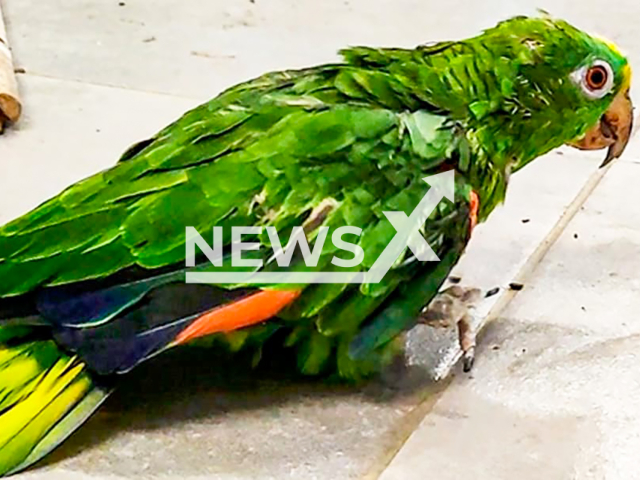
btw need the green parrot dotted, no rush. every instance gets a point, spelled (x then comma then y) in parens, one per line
(92, 282)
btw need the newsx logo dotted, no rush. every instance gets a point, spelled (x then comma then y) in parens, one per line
(282, 256)
(407, 236)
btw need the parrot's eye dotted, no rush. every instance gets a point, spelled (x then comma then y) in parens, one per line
(596, 80)
(596, 77)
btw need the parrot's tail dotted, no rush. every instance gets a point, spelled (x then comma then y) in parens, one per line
(45, 395)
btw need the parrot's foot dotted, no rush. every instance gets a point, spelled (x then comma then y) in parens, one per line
(451, 307)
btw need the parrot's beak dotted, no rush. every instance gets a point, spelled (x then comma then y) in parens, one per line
(612, 131)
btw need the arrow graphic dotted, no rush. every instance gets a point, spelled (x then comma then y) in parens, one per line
(408, 228)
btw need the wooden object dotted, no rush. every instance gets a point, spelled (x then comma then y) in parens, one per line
(10, 107)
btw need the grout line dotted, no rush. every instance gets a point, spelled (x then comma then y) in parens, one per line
(417, 415)
(111, 86)
(398, 437)
(545, 245)
(541, 250)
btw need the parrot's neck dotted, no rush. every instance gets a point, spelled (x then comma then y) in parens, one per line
(504, 144)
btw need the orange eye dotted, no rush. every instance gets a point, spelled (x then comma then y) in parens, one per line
(596, 78)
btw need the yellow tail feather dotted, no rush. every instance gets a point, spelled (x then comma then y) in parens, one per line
(44, 396)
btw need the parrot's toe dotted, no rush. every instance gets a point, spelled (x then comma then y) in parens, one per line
(468, 359)
(451, 307)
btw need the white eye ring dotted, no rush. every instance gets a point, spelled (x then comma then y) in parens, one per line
(595, 80)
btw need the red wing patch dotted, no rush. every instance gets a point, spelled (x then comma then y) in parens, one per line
(244, 312)
(474, 206)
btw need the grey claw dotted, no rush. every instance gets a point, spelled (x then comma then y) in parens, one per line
(468, 359)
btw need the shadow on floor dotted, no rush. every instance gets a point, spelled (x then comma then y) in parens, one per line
(196, 383)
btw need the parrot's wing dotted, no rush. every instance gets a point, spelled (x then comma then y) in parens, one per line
(270, 165)
(102, 261)
(232, 167)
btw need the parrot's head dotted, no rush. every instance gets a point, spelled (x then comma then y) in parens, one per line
(604, 80)
(568, 77)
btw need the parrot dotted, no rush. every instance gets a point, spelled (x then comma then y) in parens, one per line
(93, 281)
